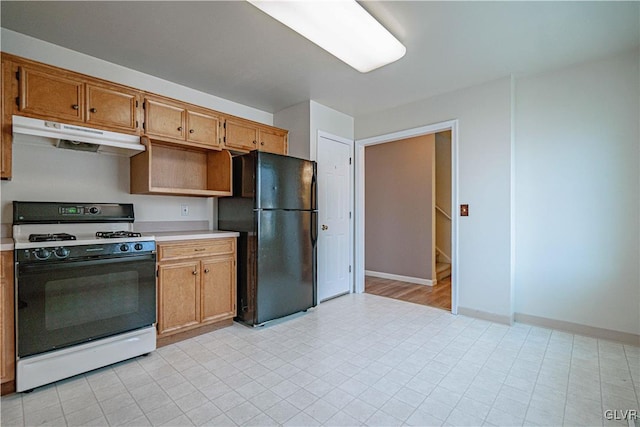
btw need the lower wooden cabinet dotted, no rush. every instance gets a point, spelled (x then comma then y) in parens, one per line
(7, 331)
(196, 284)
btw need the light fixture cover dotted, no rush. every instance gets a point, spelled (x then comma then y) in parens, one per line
(341, 27)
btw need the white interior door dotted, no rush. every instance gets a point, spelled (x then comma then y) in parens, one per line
(334, 217)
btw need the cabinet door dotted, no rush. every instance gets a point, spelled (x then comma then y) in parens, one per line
(241, 135)
(7, 354)
(5, 115)
(218, 288)
(44, 93)
(178, 296)
(273, 141)
(203, 129)
(163, 119)
(112, 107)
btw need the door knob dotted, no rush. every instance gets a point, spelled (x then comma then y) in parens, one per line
(324, 227)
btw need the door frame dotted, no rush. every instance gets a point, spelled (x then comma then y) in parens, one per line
(360, 145)
(350, 143)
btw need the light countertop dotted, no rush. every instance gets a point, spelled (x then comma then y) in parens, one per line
(6, 244)
(168, 236)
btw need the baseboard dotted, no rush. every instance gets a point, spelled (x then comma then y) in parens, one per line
(416, 280)
(483, 315)
(579, 329)
(161, 341)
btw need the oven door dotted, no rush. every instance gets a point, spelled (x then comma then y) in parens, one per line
(60, 304)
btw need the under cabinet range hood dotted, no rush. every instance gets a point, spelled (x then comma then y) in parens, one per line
(61, 135)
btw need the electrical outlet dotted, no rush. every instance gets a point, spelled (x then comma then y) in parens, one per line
(184, 210)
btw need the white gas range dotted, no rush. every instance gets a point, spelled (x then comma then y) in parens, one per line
(85, 289)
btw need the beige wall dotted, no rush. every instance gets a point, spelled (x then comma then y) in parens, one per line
(398, 211)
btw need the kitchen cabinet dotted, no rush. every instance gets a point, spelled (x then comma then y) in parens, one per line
(196, 286)
(245, 135)
(7, 331)
(5, 132)
(49, 93)
(174, 169)
(183, 123)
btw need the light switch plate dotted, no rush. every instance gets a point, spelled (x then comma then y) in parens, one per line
(464, 210)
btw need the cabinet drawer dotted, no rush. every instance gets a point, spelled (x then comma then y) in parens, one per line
(195, 248)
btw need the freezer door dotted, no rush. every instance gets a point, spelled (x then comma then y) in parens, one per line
(286, 273)
(285, 182)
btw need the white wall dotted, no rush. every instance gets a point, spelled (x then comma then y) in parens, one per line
(328, 120)
(484, 162)
(578, 188)
(47, 174)
(311, 117)
(297, 120)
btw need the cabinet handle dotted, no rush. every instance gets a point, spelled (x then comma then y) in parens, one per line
(93, 110)
(254, 142)
(180, 128)
(194, 272)
(262, 143)
(206, 270)
(199, 250)
(191, 131)
(75, 106)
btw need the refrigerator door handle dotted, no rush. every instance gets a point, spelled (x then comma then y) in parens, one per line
(314, 191)
(314, 228)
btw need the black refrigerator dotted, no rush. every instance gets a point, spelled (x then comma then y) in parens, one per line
(274, 207)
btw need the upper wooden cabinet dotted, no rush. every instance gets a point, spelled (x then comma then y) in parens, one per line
(49, 93)
(245, 135)
(240, 135)
(172, 120)
(43, 93)
(109, 107)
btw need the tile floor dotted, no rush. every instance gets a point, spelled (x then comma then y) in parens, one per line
(355, 360)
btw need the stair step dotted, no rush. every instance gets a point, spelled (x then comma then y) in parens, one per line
(443, 270)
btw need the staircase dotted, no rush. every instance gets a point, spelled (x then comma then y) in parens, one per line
(443, 270)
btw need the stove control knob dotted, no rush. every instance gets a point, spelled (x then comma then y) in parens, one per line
(42, 253)
(93, 210)
(124, 248)
(61, 252)
(138, 246)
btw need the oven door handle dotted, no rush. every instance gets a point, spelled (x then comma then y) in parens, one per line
(63, 265)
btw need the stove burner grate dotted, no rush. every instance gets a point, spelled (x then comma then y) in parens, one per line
(116, 234)
(50, 237)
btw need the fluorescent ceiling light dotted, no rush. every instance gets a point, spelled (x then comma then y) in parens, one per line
(341, 27)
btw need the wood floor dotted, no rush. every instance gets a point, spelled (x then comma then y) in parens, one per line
(434, 296)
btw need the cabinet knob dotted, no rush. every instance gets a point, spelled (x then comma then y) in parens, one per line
(206, 270)
(194, 272)
(262, 143)
(93, 110)
(254, 142)
(191, 131)
(75, 106)
(180, 128)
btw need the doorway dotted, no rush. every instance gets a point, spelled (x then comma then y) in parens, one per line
(412, 289)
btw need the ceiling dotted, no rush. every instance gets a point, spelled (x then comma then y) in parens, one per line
(232, 50)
